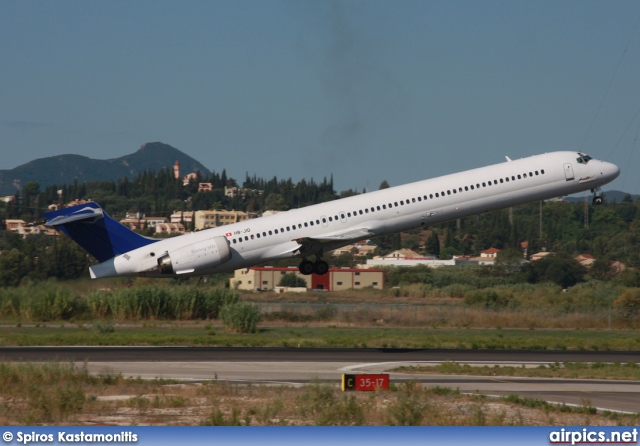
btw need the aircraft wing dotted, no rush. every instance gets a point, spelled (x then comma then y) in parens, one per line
(353, 234)
(314, 245)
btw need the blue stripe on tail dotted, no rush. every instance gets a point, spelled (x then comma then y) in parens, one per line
(90, 227)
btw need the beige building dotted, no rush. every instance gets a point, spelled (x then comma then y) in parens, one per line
(213, 219)
(268, 277)
(22, 228)
(362, 248)
(170, 228)
(182, 216)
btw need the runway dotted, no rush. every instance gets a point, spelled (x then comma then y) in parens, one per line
(292, 366)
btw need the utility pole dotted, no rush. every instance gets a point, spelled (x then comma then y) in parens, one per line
(586, 212)
(540, 236)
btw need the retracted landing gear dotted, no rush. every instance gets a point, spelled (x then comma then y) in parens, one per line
(597, 199)
(308, 267)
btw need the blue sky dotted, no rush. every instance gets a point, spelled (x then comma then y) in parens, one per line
(364, 90)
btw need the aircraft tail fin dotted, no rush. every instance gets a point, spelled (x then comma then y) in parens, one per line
(91, 227)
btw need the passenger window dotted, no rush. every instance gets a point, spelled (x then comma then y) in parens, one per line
(484, 184)
(324, 220)
(524, 175)
(431, 196)
(311, 222)
(437, 195)
(258, 235)
(366, 210)
(306, 224)
(234, 241)
(519, 177)
(275, 230)
(542, 171)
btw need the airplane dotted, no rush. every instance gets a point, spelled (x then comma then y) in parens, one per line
(311, 231)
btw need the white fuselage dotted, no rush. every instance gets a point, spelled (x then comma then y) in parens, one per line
(382, 212)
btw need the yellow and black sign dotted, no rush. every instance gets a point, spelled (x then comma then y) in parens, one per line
(365, 382)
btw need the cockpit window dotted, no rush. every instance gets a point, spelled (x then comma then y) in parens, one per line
(583, 159)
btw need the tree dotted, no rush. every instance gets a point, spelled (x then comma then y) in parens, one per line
(557, 268)
(292, 280)
(433, 244)
(602, 270)
(509, 261)
(12, 268)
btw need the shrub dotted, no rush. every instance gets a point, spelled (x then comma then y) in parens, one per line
(240, 317)
(488, 298)
(629, 303)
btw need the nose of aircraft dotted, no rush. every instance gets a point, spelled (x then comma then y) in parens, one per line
(609, 171)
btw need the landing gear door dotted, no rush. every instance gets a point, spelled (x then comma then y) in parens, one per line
(568, 172)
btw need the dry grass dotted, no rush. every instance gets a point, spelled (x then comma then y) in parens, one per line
(112, 400)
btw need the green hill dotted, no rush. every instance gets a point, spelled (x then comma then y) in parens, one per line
(64, 169)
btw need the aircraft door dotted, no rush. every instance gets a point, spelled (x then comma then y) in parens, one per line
(343, 217)
(568, 172)
(324, 221)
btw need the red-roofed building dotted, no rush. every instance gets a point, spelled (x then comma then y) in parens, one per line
(491, 252)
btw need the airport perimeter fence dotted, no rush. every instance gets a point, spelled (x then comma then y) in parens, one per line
(449, 315)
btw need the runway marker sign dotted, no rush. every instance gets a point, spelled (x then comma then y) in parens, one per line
(365, 382)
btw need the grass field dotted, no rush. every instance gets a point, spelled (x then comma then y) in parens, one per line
(307, 336)
(569, 370)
